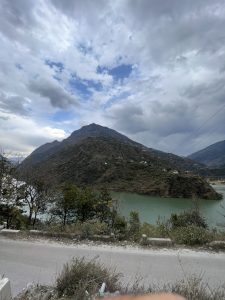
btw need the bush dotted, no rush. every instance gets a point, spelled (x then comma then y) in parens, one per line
(187, 218)
(191, 235)
(86, 229)
(120, 224)
(159, 230)
(80, 277)
(90, 228)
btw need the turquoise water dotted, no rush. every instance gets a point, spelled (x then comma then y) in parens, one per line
(151, 208)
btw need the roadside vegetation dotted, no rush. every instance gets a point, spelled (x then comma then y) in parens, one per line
(89, 279)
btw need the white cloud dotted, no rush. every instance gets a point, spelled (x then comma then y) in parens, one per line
(176, 49)
(25, 134)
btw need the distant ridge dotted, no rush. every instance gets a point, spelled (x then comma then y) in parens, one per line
(212, 156)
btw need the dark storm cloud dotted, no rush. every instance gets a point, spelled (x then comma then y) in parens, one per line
(50, 89)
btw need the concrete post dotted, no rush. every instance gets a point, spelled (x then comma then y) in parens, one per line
(5, 289)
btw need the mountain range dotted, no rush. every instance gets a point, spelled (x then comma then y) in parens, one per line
(212, 156)
(98, 156)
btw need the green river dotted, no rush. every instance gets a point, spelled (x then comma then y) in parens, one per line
(151, 208)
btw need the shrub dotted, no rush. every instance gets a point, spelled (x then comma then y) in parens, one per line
(120, 224)
(85, 229)
(187, 218)
(191, 235)
(158, 230)
(90, 228)
(80, 277)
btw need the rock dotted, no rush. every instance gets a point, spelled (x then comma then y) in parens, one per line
(9, 231)
(157, 241)
(217, 245)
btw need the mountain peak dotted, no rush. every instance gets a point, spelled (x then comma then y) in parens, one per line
(94, 130)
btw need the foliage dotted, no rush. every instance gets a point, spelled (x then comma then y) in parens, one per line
(187, 218)
(134, 225)
(10, 202)
(65, 203)
(90, 228)
(103, 207)
(85, 205)
(160, 230)
(13, 217)
(120, 224)
(75, 204)
(82, 278)
(191, 235)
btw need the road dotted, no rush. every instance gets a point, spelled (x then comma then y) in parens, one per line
(24, 262)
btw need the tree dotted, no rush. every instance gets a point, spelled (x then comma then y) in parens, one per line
(134, 224)
(104, 207)
(65, 203)
(35, 193)
(86, 205)
(10, 202)
(33, 196)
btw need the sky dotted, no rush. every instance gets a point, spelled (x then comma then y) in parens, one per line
(153, 70)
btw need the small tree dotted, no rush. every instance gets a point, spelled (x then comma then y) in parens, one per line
(103, 207)
(134, 225)
(86, 205)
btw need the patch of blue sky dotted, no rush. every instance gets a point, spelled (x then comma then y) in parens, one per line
(119, 73)
(84, 87)
(58, 66)
(62, 115)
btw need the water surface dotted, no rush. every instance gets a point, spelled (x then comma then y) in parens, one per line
(151, 208)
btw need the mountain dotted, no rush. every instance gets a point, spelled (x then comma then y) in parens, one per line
(96, 131)
(212, 156)
(92, 130)
(98, 156)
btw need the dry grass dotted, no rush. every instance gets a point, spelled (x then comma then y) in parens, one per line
(83, 278)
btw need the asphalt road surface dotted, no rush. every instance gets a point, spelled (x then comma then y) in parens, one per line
(24, 262)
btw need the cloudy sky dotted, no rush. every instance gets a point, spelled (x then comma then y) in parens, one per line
(152, 69)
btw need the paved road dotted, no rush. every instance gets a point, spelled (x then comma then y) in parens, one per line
(25, 261)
